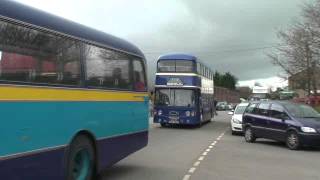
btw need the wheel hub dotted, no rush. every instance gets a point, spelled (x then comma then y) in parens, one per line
(81, 165)
(248, 134)
(292, 140)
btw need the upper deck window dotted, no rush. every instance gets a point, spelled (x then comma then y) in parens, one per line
(175, 66)
(167, 66)
(184, 66)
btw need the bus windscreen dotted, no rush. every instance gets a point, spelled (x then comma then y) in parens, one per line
(175, 97)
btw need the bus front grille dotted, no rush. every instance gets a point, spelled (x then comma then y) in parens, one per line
(173, 114)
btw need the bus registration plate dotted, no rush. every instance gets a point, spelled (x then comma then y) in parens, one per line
(174, 120)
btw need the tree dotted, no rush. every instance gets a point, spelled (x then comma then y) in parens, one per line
(217, 78)
(226, 80)
(299, 49)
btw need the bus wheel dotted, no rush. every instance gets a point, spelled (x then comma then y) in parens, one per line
(81, 159)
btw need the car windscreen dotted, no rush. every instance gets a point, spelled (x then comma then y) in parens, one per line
(175, 97)
(301, 111)
(240, 109)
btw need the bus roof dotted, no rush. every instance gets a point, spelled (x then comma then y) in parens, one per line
(178, 56)
(16, 11)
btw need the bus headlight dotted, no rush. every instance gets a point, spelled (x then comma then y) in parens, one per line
(160, 112)
(188, 113)
(193, 113)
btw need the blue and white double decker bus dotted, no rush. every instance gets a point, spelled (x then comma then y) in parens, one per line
(184, 91)
(73, 100)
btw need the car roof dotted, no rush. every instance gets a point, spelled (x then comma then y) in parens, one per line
(273, 102)
(243, 104)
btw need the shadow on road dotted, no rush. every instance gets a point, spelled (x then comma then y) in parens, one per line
(118, 171)
(283, 145)
(180, 126)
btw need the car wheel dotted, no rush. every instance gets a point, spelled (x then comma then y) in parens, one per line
(81, 159)
(249, 135)
(293, 141)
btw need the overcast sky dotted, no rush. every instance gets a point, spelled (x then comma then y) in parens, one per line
(228, 35)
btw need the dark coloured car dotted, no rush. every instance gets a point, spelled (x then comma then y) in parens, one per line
(297, 125)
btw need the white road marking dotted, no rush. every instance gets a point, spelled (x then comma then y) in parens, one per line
(191, 170)
(214, 143)
(196, 163)
(201, 158)
(186, 177)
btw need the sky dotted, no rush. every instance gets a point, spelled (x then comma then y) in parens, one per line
(228, 35)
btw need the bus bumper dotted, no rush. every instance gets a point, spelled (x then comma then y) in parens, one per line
(182, 121)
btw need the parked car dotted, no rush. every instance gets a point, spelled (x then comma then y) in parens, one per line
(236, 119)
(297, 125)
(222, 106)
(229, 107)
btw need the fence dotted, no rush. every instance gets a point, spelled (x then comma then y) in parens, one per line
(224, 94)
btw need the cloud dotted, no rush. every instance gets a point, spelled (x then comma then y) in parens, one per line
(272, 82)
(228, 35)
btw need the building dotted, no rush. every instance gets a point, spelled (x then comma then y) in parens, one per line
(260, 92)
(224, 94)
(298, 82)
(244, 92)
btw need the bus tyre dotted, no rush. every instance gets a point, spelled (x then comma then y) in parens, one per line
(293, 141)
(249, 135)
(81, 159)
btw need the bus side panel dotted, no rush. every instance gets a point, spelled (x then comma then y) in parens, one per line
(33, 126)
(112, 150)
(45, 165)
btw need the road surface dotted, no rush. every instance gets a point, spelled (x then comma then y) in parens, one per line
(211, 152)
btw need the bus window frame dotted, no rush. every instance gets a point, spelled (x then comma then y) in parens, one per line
(49, 32)
(144, 72)
(82, 61)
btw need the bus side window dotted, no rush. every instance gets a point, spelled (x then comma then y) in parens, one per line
(198, 68)
(139, 76)
(33, 56)
(107, 69)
